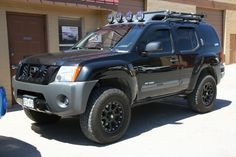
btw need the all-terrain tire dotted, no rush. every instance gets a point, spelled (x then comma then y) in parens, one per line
(203, 97)
(41, 118)
(107, 115)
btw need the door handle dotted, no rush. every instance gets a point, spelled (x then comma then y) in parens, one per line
(174, 60)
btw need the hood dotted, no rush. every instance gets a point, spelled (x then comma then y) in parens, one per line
(67, 58)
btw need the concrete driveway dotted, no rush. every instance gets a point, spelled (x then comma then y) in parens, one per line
(167, 129)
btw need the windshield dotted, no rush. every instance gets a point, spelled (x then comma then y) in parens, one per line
(118, 37)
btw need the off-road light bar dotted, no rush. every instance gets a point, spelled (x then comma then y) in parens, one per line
(129, 17)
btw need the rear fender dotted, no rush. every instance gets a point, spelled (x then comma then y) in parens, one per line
(206, 64)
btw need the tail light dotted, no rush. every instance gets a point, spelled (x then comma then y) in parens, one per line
(221, 57)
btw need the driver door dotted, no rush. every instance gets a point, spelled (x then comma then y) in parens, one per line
(157, 71)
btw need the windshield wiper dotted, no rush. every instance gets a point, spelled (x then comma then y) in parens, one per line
(97, 48)
(76, 48)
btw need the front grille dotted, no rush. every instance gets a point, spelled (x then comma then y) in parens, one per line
(39, 74)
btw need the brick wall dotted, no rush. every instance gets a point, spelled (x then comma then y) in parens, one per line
(4, 55)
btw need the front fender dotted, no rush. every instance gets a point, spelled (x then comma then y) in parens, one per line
(111, 69)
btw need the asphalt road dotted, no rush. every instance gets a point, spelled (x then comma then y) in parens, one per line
(167, 129)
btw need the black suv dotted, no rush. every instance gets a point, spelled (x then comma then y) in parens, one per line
(133, 60)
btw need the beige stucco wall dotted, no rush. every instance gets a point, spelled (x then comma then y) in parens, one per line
(153, 5)
(230, 28)
(91, 19)
(227, 1)
(4, 55)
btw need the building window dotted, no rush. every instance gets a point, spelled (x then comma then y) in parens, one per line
(69, 32)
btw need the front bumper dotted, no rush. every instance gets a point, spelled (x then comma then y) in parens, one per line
(222, 70)
(76, 92)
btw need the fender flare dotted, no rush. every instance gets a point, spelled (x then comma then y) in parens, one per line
(111, 70)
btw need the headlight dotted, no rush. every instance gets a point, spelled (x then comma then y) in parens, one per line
(67, 73)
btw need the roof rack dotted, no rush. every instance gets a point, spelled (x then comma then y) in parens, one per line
(173, 15)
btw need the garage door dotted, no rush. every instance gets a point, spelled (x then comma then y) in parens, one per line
(131, 5)
(215, 18)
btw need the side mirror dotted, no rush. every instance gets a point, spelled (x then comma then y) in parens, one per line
(153, 46)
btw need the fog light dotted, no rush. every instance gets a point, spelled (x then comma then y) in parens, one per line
(62, 101)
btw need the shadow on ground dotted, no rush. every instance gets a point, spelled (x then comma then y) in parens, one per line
(144, 118)
(15, 107)
(11, 147)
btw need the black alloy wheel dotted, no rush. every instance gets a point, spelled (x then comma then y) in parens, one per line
(107, 115)
(208, 93)
(203, 97)
(112, 116)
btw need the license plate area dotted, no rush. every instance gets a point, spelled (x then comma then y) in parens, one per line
(29, 101)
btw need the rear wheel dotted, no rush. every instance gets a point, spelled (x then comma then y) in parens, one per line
(107, 115)
(40, 117)
(203, 97)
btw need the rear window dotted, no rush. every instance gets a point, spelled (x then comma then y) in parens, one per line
(186, 39)
(209, 37)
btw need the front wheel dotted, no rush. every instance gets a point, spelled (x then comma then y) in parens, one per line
(203, 97)
(107, 116)
(41, 118)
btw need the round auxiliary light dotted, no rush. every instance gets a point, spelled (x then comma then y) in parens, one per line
(129, 16)
(119, 17)
(140, 16)
(110, 19)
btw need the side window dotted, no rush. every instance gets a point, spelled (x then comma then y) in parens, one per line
(186, 39)
(157, 35)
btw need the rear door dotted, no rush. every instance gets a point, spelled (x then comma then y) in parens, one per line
(187, 44)
(158, 72)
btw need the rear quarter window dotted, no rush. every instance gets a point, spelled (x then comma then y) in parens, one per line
(209, 37)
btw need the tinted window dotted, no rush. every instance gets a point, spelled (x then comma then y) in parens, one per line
(129, 40)
(156, 35)
(186, 39)
(105, 38)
